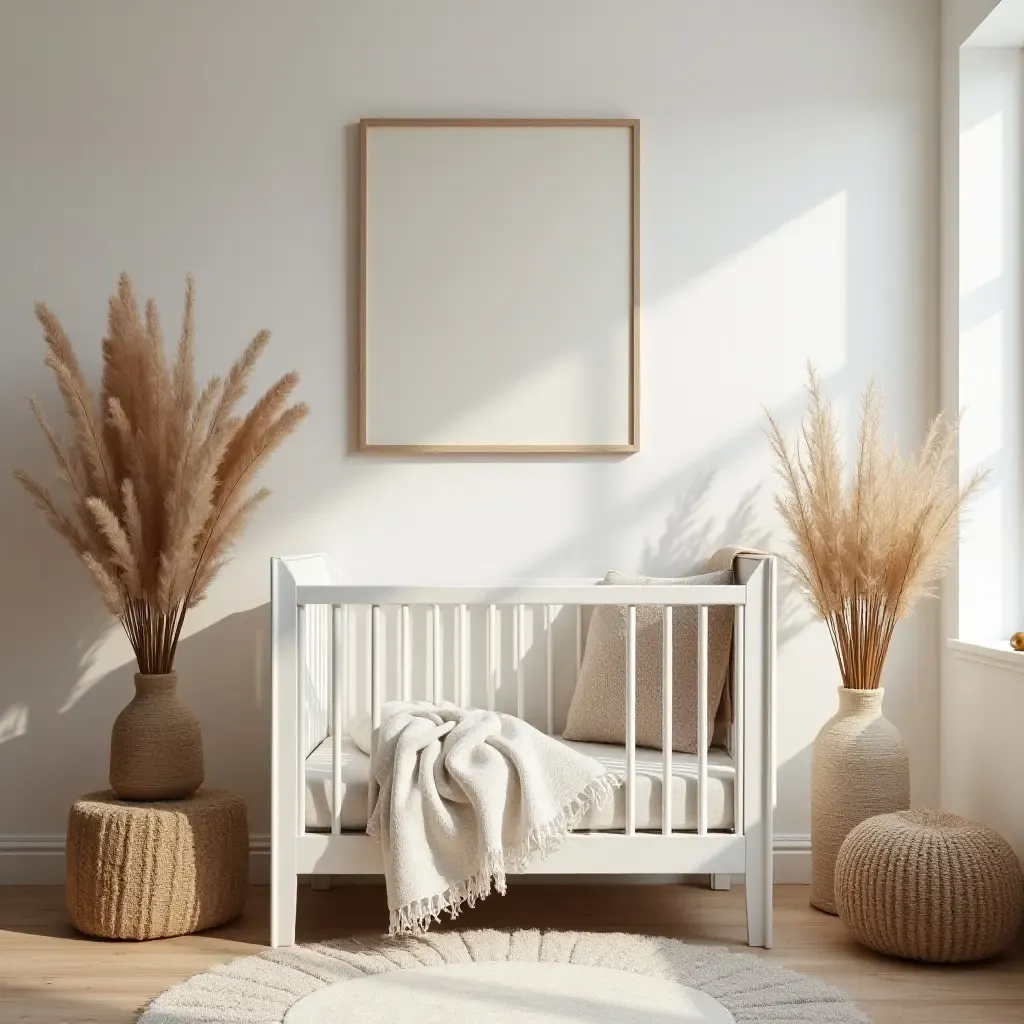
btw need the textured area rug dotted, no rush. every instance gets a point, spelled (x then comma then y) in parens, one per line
(498, 977)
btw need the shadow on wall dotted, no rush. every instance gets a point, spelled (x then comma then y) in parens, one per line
(60, 700)
(715, 242)
(56, 698)
(691, 535)
(53, 634)
(71, 710)
(233, 692)
(63, 703)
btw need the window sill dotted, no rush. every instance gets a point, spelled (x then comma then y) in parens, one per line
(997, 653)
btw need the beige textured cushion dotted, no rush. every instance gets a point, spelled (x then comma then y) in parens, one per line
(725, 558)
(598, 709)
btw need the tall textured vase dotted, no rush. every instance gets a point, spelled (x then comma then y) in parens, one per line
(156, 746)
(859, 769)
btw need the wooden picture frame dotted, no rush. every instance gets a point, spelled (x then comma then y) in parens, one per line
(444, 211)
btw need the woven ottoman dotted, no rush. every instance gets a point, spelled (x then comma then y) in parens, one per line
(139, 870)
(926, 885)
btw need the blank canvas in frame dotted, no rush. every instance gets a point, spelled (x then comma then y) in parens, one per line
(498, 286)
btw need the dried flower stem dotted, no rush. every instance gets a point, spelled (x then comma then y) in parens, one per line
(865, 552)
(157, 477)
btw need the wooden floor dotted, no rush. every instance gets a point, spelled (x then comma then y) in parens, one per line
(51, 975)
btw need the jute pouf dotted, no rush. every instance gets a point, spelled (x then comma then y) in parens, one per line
(150, 870)
(926, 885)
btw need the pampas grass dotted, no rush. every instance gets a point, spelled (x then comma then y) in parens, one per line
(157, 477)
(866, 550)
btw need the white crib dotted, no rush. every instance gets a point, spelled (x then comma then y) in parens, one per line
(338, 651)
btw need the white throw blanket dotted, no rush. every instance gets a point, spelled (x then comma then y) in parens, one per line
(465, 797)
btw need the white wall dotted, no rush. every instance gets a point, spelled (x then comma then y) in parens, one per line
(789, 189)
(991, 381)
(982, 691)
(982, 753)
(959, 20)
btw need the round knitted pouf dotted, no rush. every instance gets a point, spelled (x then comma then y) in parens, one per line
(150, 870)
(929, 886)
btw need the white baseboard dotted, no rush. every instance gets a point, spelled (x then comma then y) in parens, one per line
(39, 860)
(792, 860)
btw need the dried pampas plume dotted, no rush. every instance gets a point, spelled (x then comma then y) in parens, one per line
(867, 549)
(158, 477)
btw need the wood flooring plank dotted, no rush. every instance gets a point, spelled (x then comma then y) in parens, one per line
(49, 974)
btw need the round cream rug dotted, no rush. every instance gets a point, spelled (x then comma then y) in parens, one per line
(498, 977)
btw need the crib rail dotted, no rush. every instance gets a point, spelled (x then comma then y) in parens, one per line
(297, 602)
(589, 592)
(313, 599)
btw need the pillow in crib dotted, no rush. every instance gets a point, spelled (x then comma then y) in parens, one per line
(362, 734)
(598, 710)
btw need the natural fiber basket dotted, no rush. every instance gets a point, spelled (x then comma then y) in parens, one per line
(150, 870)
(929, 886)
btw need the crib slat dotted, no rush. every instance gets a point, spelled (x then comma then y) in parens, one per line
(492, 657)
(405, 662)
(739, 724)
(631, 722)
(348, 670)
(702, 720)
(376, 665)
(467, 657)
(518, 657)
(376, 668)
(303, 691)
(666, 719)
(460, 656)
(436, 680)
(338, 724)
(312, 629)
(312, 705)
(550, 668)
(428, 681)
(457, 655)
(322, 683)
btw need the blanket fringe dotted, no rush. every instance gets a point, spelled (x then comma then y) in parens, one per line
(417, 917)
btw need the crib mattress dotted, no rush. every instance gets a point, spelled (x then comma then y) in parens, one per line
(355, 772)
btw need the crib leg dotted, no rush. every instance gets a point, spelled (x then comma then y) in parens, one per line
(721, 883)
(755, 912)
(283, 895)
(757, 882)
(319, 883)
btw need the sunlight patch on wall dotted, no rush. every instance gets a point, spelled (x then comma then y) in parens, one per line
(774, 305)
(982, 566)
(981, 374)
(14, 722)
(981, 203)
(110, 652)
(989, 360)
(578, 394)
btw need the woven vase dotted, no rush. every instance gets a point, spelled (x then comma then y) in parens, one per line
(859, 769)
(156, 745)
